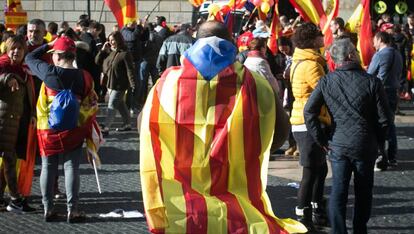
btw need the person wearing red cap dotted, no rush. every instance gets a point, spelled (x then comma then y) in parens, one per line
(54, 143)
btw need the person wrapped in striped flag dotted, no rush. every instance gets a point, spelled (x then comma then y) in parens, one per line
(205, 136)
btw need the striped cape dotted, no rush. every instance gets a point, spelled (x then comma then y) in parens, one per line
(53, 142)
(205, 138)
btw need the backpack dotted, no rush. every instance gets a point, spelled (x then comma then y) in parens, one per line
(64, 110)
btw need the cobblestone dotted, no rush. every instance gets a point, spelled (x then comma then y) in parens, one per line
(393, 205)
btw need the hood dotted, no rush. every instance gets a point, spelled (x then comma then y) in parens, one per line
(308, 54)
(211, 55)
(82, 45)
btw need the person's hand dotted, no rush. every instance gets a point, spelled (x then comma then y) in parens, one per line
(50, 44)
(106, 46)
(13, 84)
(326, 148)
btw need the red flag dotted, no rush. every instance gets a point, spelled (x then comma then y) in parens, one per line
(275, 30)
(123, 10)
(365, 35)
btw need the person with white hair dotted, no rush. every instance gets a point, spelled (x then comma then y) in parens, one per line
(360, 111)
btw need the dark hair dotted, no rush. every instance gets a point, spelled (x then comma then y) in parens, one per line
(95, 25)
(22, 30)
(214, 28)
(68, 56)
(397, 28)
(84, 17)
(2, 28)
(257, 43)
(384, 37)
(52, 27)
(7, 34)
(64, 24)
(70, 33)
(185, 27)
(339, 21)
(38, 22)
(284, 41)
(118, 39)
(160, 19)
(305, 36)
(411, 16)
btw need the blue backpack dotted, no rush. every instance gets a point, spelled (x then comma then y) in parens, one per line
(64, 111)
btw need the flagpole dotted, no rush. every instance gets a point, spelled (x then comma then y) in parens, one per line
(153, 9)
(100, 15)
(96, 174)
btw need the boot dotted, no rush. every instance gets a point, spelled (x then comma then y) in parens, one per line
(304, 216)
(290, 150)
(319, 215)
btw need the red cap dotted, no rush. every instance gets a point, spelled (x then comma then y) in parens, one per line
(386, 26)
(63, 44)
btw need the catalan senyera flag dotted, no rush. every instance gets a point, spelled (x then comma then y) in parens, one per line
(360, 23)
(275, 30)
(205, 137)
(124, 11)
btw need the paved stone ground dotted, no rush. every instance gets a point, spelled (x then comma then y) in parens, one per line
(393, 208)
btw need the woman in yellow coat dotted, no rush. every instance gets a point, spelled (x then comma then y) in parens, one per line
(307, 68)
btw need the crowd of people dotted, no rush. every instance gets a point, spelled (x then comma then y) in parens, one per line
(346, 115)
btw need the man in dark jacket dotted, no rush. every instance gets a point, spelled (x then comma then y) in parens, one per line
(173, 47)
(360, 117)
(134, 34)
(387, 65)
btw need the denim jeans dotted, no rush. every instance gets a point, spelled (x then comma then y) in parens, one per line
(116, 102)
(392, 97)
(48, 176)
(342, 169)
(146, 69)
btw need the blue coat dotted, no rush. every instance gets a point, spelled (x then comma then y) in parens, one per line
(387, 65)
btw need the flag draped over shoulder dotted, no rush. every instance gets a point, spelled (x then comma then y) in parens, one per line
(360, 23)
(275, 30)
(123, 10)
(205, 138)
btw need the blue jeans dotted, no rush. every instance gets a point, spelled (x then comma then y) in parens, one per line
(342, 169)
(392, 97)
(146, 69)
(48, 176)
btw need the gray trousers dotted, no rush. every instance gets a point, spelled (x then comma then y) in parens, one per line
(116, 102)
(8, 174)
(48, 176)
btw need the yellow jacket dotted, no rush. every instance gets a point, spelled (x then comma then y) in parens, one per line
(304, 78)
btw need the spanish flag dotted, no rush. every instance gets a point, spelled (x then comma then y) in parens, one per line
(360, 23)
(311, 11)
(275, 30)
(123, 10)
(205, 137)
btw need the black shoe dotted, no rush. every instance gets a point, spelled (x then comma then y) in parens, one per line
(304, 216)
(50, 216)
(392, 163)
(319, 215)
(19, 206)
(3, 204)
(124, 128)
(76, 217)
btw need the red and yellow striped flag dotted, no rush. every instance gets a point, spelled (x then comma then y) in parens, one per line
(311, 11)
(204, 149)
(275, 30)
(360, 23)
(123, 10)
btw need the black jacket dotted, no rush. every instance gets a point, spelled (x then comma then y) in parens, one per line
(359, 110)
